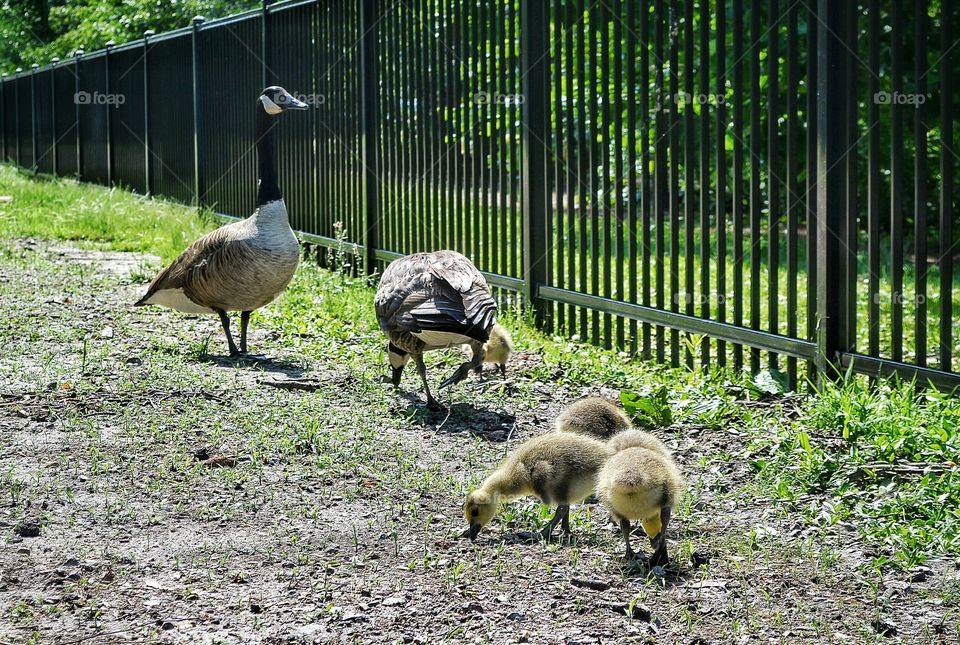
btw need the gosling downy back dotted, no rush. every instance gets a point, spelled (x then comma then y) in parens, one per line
(594, 417)
(634, 438)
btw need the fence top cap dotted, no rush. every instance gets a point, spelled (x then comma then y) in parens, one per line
(198, 19)
(35, 66)
(149, 32)
(79, 52)
(111, 43)
(55, 59)
(19, 69)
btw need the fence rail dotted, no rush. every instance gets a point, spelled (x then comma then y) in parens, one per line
(734, 182)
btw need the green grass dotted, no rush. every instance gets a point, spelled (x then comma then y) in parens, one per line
(837, 457)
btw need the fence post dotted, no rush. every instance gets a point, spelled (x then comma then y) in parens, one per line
(146, 113)
(53, 115)
(3, 116)
(833, 295)
(535, 72)
(76, 110)
(33, 115)
(369, 69)
(106, 107)
(197, 156)
(264, 44)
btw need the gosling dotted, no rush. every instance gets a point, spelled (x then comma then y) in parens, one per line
(559, 469)
(497, 350)
(638, 439)
(641, 484)
(593, 417)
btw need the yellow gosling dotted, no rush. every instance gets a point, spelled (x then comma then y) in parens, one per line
(560, 469)
(641, 484)
(593, 417)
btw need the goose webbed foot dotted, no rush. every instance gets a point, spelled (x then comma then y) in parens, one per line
(433, 406)
(462, 372)
(562, 515)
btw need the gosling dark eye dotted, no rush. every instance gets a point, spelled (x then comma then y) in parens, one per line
(474, 512)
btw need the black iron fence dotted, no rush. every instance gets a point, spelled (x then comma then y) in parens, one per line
(759, 184)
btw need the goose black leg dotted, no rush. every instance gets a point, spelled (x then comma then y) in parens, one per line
(659, 543)
(422, 371)
(244, 321)
(225, 321)
(503, 370)
(625, 528)
(561, 515)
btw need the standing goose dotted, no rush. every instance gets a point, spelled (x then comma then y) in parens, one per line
(245, 265)
(429, 301)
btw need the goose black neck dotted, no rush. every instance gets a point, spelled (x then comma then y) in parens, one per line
(268, 189)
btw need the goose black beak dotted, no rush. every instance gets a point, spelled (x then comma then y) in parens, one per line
(472, 532)
(395, 377)
(295, 104)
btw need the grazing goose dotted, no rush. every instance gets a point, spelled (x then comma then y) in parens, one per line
(641, 484)
(497, 350)
(241, 266)
(593, 417)
(558, 468)
(429, 301)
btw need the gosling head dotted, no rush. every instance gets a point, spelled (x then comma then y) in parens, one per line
(479, 510)
(275, 100)
(398, 360)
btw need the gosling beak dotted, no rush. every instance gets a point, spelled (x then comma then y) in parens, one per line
(395, 377)
(472, 532)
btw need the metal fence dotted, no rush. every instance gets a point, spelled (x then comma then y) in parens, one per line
(758, 184)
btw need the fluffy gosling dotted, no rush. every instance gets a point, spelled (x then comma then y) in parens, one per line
(559, 469)
(593, 417)
(641, 484)
(638, 439)
(497, 350)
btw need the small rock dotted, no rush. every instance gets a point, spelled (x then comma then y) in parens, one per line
(106, 332)
(394, 601)
(133, 360)
(472, 608)
(29, 529)
(256, 607)
(167, 626)
(884, 627)
(596, 585)
(220, 461)
(920, 574)
(699, 559)
(24, 550)
(517, 616)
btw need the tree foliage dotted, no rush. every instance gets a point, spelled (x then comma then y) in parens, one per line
(34, 31)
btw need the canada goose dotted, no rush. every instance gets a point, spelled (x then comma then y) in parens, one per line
(497, 350)
(641, 484)
(244, 265)
(429, 301)
(638, 439)
(594, 417)
(558, 468)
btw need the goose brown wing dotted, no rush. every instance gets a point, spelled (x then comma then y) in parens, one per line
(193, 264)
(440, 291)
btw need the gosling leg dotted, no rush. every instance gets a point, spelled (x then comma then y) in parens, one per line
(659, 543)
(244, 322)
(422, 371)
(464, 370)
(625, 529)
(503, 370)
(561, 515)
(225, 321)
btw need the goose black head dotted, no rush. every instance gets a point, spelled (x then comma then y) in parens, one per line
(398, 360)
(275, 100)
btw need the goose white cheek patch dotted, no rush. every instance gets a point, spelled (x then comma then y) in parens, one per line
(270, 106)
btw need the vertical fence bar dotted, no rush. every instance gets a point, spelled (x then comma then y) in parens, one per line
(674, 121)
(832, 89)
(646, 191)
(689, 164)
(810, 216)
(737, 188)
(534, 64)
(756, 198)
(146, 112)
(704, 173)
(660, 203)
(946, 185)
(3, 117)
(873, 182)
(851, 160)
(33, 115)
(920, 183)
(896, 186)
(53, 114)
(76, 111)
(197, 156)
(106, 108)
(721, 187)
(369, 64)
(16, 96)
(773, 169)
(793, 199)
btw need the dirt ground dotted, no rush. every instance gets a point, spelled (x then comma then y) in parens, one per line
(152, 493)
